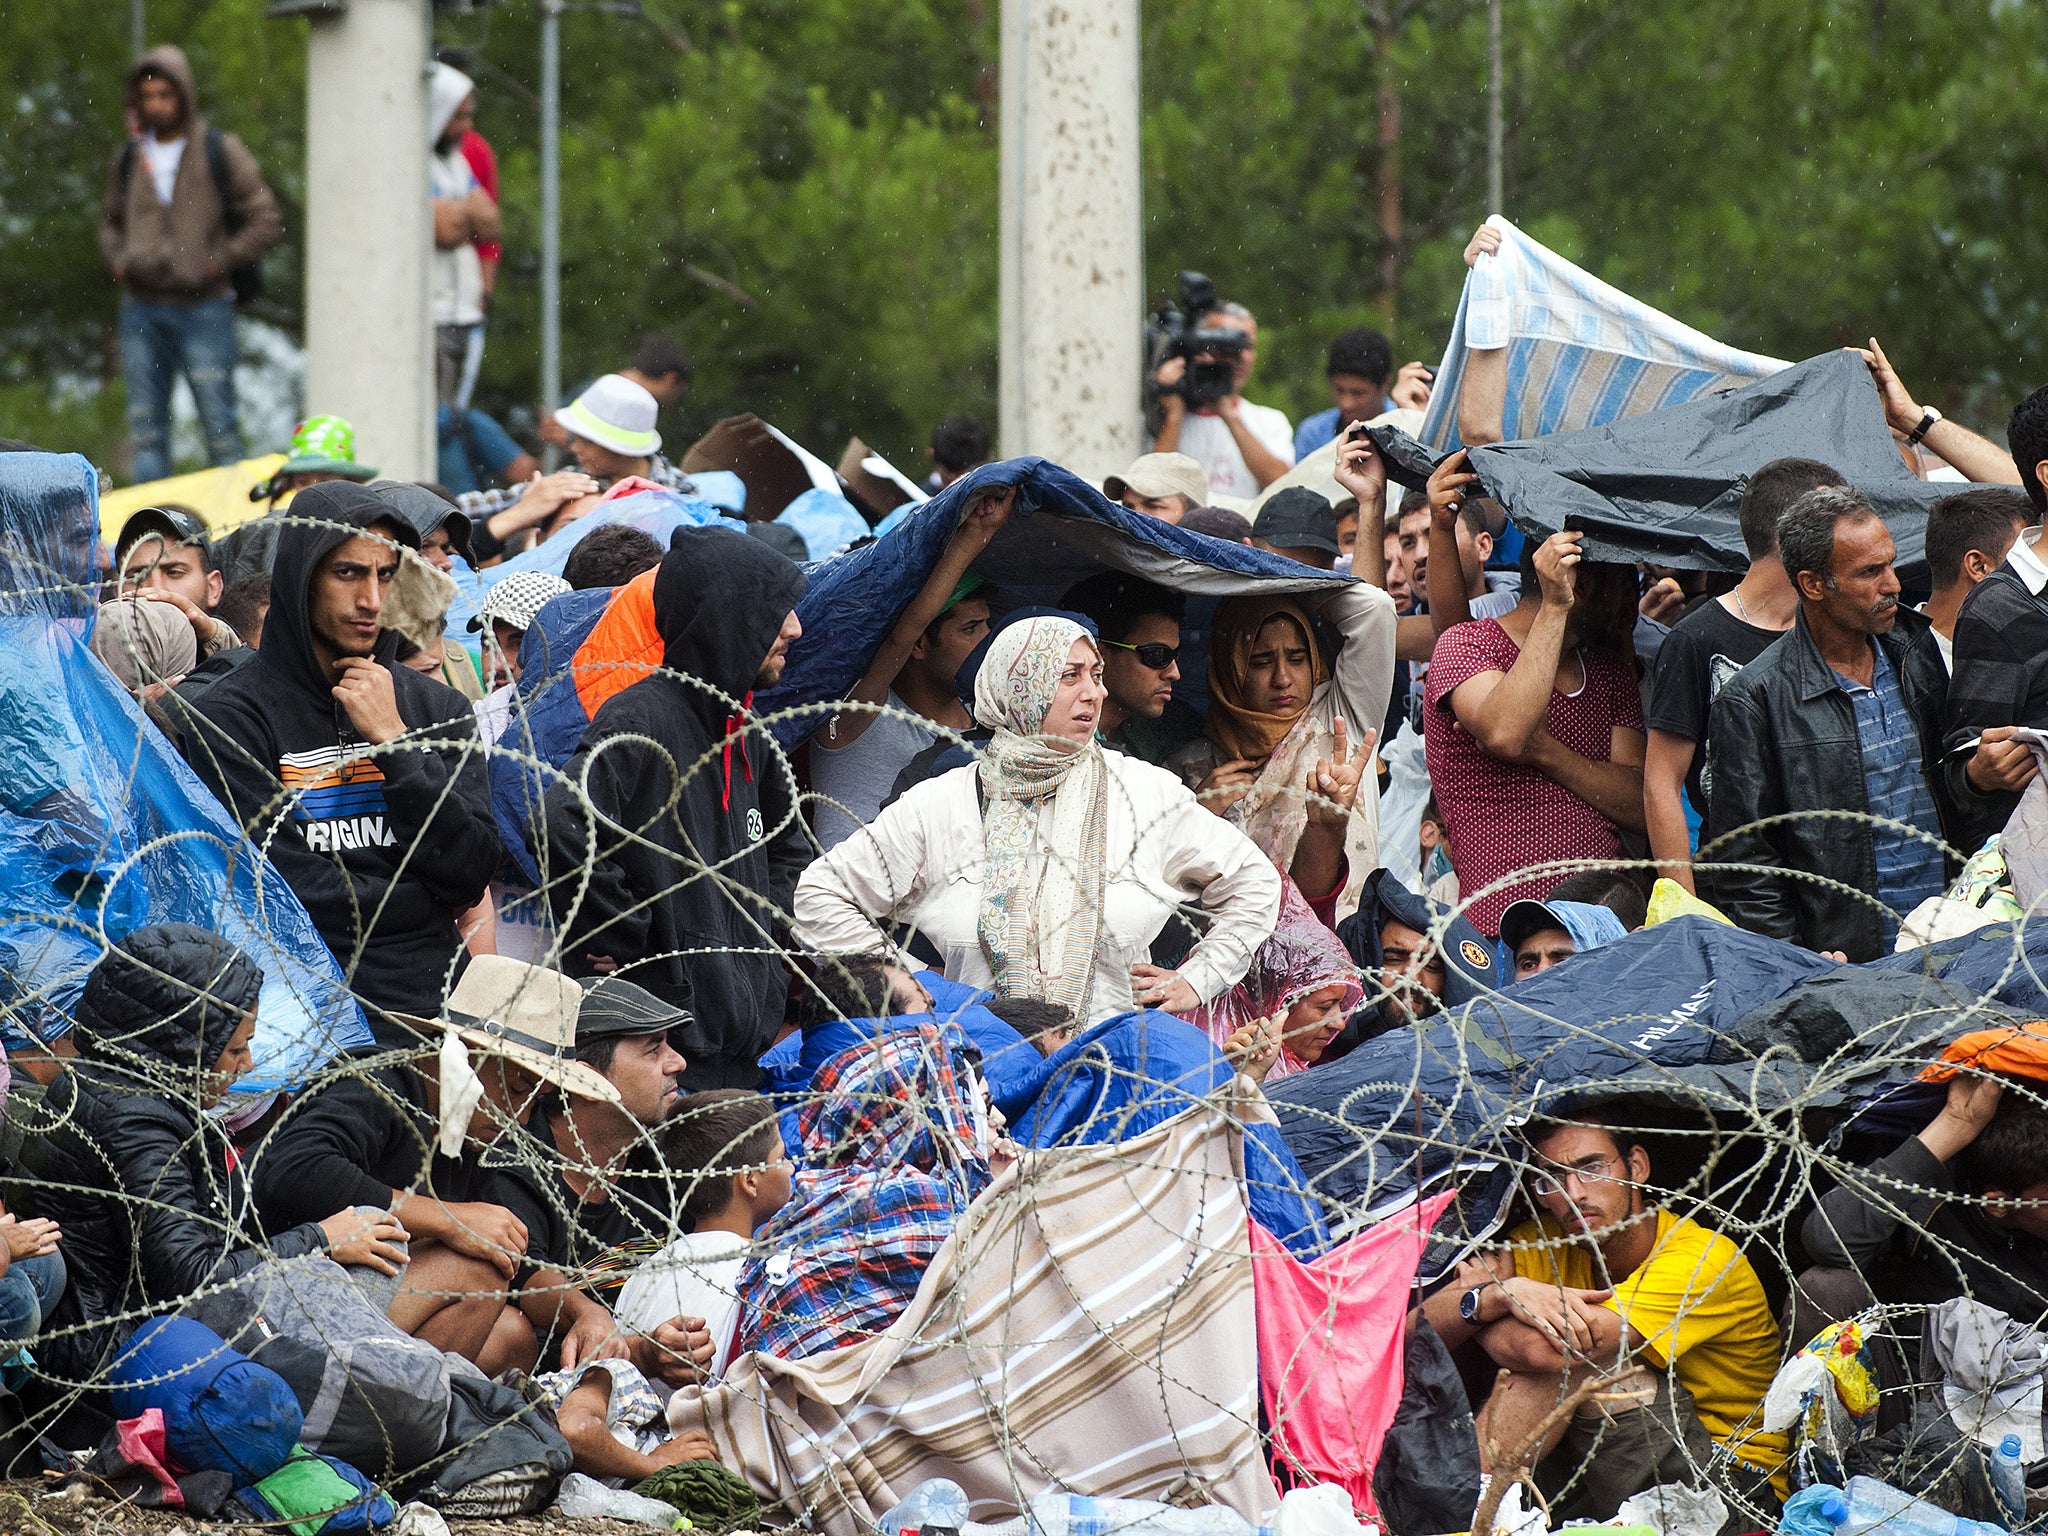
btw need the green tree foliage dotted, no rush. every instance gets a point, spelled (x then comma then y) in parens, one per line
(804, 191)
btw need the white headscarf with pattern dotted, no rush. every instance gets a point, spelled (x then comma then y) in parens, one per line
(1041, 885)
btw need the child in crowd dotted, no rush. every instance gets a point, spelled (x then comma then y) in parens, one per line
(730, 1143)
(1048, 1026)
(1439, 880)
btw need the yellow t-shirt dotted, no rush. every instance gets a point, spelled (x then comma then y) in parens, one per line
(1701, 1311)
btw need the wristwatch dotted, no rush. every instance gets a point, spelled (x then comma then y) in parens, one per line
(1468, 1304)
(1926, 423)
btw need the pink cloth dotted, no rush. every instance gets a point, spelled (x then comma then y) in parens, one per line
(1331, 1339)
(1503, 817)
(142, 1445)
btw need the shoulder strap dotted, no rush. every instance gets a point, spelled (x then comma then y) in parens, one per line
(125, 172)
(217, 167)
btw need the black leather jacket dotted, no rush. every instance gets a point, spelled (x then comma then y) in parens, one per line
(152, 1206)
(1783, 739)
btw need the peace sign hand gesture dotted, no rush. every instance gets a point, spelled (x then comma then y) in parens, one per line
(1333, 782)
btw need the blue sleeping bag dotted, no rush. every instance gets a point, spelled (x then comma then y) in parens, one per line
(222, 1411)
(1122, 1077)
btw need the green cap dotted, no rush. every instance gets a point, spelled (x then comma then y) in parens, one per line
(325, 445)
(970, 584)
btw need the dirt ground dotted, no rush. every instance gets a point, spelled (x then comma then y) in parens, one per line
(31, 1509)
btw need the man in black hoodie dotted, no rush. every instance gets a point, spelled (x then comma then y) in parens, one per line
(362, 780)
(692, 844)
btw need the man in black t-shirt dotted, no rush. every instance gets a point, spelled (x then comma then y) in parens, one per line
(1706, 648)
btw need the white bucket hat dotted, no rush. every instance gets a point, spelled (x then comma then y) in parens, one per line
(615, 413)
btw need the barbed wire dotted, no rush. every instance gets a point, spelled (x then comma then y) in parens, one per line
(1746, 1153)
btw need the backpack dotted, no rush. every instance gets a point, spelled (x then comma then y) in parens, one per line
(371, 1395)
(222, 1411)
(247, 281)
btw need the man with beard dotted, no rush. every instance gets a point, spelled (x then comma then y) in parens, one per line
(358, 777)
(1606, 1281)
(1843, 713)
(670, 846)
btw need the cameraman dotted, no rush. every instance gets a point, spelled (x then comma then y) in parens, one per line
(1243, 447)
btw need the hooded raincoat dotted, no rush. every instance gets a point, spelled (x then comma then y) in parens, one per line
(679, 812)
(384, 845)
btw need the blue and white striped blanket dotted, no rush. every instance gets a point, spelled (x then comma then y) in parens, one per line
(1581, 352)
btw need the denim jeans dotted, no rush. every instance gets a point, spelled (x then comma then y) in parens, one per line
(161, 341)
(28, 1292)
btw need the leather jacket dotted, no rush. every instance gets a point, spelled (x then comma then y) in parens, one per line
(1783, 740)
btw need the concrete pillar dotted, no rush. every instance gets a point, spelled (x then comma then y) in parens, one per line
(369, 343)
(1072, 247)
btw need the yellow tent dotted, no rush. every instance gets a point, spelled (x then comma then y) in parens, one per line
(220, 495)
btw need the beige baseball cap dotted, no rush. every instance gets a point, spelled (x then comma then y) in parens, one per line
(1161, 474)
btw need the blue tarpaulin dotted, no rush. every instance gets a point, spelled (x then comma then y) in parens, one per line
(1063, 529)
(1691, 1011)
(103, 829)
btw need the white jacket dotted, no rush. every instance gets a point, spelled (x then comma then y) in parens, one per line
(920, 861)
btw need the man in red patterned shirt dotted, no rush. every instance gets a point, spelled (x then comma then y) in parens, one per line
(1534, 726)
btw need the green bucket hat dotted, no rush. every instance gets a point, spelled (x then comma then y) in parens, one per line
(321, 445)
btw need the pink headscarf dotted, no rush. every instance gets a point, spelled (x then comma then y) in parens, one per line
(1301, 957)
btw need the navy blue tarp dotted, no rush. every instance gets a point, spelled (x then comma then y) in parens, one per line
(1063, 529)
(1690, 1011)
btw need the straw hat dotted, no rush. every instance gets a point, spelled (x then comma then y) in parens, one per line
(525, 1013)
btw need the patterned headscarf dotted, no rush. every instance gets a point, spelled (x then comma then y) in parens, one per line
(1041, 897)
(889, 1163)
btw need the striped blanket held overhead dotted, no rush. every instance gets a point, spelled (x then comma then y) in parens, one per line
(1088, 1326)
(1581, 352)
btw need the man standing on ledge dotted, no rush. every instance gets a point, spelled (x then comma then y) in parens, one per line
(185, 206)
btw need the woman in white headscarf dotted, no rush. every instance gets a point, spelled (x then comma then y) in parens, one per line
(1047, 869)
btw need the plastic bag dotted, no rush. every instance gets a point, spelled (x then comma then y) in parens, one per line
(1672, 1509)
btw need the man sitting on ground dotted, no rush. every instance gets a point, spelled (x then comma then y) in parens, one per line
(1138, 623)
(724, 1149)
(1960, 1209)
(1425, 956)
(1604, 1281)
(480, 1280)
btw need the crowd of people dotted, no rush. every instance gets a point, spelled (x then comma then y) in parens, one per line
(1022, 825)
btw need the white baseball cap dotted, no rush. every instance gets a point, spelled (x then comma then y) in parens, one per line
(615, 413)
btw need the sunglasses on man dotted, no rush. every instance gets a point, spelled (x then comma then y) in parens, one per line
(1155, 657)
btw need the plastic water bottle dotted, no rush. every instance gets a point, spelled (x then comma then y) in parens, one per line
(1876, 1506)
(2010, 1479)
(1814, 1511)
(939, 1503)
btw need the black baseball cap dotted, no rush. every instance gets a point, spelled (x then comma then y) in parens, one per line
(172, 524)
(614, 1008)
(1298, 518)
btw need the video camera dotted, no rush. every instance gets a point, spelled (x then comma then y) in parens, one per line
(1211, 352)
